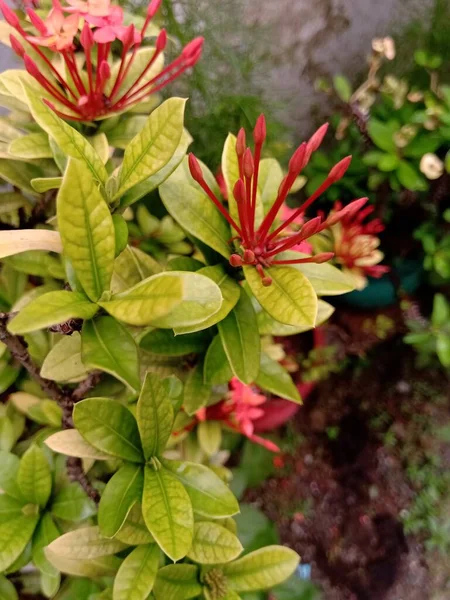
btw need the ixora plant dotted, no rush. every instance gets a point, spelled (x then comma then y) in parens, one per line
(125, 362)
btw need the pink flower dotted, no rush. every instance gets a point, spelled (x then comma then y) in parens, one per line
(93, 8)
(57, 31)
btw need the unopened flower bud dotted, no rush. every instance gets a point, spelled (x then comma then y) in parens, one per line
(248, 164)
(195, 168)
(17, 46)
(323, 257)
(297, 161)
(235, 260)
(316, 139)
(193, 48)
(311, 227)
(260, 132)
(105, 70)
(249, 256)
(267, 281)
(86, 37)
(241, 143)
(37, 22)
(339, 170)
(161, 41)
(153, 8)
(10, 16)
(239, 191)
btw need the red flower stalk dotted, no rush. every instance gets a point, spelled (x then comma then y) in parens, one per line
(91, 94)
(259, 246)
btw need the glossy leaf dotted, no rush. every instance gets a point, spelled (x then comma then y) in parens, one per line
(153, 147)
(137, 574)
(14, 536)
(7, 589)
(290, 298)
(19, 174)
(72, 504)
(51, 309)
(122, 491)
(70, 141)
(34, 476)
(210, 496)
(9, 468)
(131, 267)
(10, 508)
(31, 146)
(262, 569)
(213, 544)
(177, 582)
(44, 184)
(71, 443)
(165, 342)
(240, 339)
(87, 229)
(216, 368)
(93, 567)
(197, 213)
(108, 346)
(167, 512)
(63, 362)
(273, 378)
(134, 530)
(269, 326)
(110, 427)
(269, 180)
(84, 543)
(46, 531)
(35, 262)
(154, 414)
(326, 279)
(196, 391)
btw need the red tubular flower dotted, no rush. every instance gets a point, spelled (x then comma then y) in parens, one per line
(89, 98)
(259, 246)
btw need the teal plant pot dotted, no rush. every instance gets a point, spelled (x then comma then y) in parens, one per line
(380, 293)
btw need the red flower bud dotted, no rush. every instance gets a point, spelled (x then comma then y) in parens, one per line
(161, 41)
(128, 37)
(239, 191)
(248, 164)
(31, 67)
(323, 257)
(267, 281)
(105, 71)
(260, 132)
(311, 227)
(297, 161)
(195, 168)
(339, 170)
(153, 8)
(86, 37)
(37, 22)
(241, 143)
(249, 256)
(10, 15)
(316, 139)
(17, 46)
(235, 260)
(191, 50)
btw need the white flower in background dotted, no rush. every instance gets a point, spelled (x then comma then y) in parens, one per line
(384, 46)
(431, 166)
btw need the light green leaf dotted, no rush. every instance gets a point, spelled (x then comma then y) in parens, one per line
(122, 491)
(71, 443)
(125, 130)
(410, 178)
(240, 339)
(19, 174)
(63, 362)
(177, 582)
(46, 531)
(134, 531)
(137, 574)
(443, 348)
(209, 435)
(213, 544)
(7, 437)
(30, 259)
(216, 368)
(441, 311)
(99, 142)
(382, 134)
(10, 508)
(269, 180)
(50, 583)
(230, 170)
(196, 214)
(196, 392)
(107, 345)
(87, 229)
(165, 342)
(93, 567)
(154, 415)
(290, 298)
(110, 427)
(269, 326)
(230, 292)
(34, 477)
(131, 267)
(43, 184)
(210, 496)
(31, 146)
(120, 233)
(275, 379)
(326, 279)
(261, 569)
(51, 309)
(72, 504)
(7, 589)
(167, 300)
(9, 468)
(70, 141)
(153, 147)
(14, 536)
(151, 183)
(342, 87)
(167, 512)
(84, 543)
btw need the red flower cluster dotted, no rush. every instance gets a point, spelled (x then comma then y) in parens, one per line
(259, 246)
(101, 24)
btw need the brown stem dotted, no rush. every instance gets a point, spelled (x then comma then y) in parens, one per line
(66, 399)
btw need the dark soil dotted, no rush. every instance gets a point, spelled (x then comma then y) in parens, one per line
(340, 498)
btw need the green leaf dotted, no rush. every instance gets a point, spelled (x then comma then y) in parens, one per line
(93, 567)
(72, 504)
(7, 589)
(108, 346)
(153, 147)
(167, 300)
(210, 496)
(19, 174)
(151, 183)
(326, 279)
(63, 362)
(36, 262)
(9, 468)
(196, 392)
(71, 443)
(388, 162)
(290, 299)
(275, 379)
(44, 184)
(10, 508)
(269, 326)
(261, 569)
(165, 342)
(34, 477)
(240, 339)
(34, 145)
(269, 180)
(230, 290)
(342, 87)
(134, 530)
(51, 309)
(137, 574)
(209, 435)
(122, 491)
(70, 141)
(84, 543)
(213, 544)
(230, 171)
(382, 134)
(120, 233)
(410, 178)
(46, 531)
(167, 512)
(177, 582)
(154, 414)
(197, 214)
(14, 536)
(87, 229)
(216, 368)
(131, 267)
(110, 427)
(443, 348)
(441, 311)
(7, 437)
